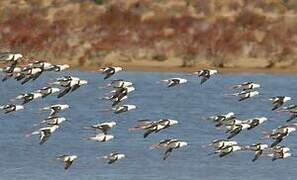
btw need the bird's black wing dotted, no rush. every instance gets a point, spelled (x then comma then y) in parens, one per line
(226, 153)
(173, 82)
(234, 133)
(75, 87)
(20, 77)
(204, 79)
(26, 80)
(293, 116)
(109, 72)
(54, 111)
(12, 66)
(277, 105)
(68, 164)
(104, 129)
(44, 136)
(257, 155)
(112, 160)
(28, 98)
(122, 110)
(37, 75)
(167, 153)
(148, 132)
(63, 93)
(277, 141)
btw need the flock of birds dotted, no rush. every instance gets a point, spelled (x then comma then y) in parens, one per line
(121, 89)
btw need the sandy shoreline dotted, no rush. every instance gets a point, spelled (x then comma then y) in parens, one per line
(280, 71)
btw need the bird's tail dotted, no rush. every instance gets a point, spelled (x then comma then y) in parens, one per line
(282, 110)
(265, 135)
(234, 94)
(87, 128)
(53, 83)
(206, 145)
(106, 110)
(105, 87)
(110, 92)
(31, 134)
(44, 109)
(86, 138)
(213, 153)
(155, 146)
(102, 157)
(133, 129)
(236, 86)
(105, 98)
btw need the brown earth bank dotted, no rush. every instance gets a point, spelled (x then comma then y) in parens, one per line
(153, 35)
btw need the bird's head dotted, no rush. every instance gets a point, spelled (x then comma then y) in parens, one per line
(121, 156)
(130, 107)
(256, 85)
(183, 144)
(55, 90)
(262, 119)
(172, 122)
(64, 66)
(18, 56)
(19, 107)
(117, 69)
(83, 82)
(287, 99)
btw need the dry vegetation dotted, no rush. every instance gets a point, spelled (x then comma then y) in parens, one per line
(220, 33)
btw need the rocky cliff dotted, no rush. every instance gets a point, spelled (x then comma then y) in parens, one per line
(173, 33)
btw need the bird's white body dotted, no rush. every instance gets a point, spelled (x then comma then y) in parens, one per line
(100, 137)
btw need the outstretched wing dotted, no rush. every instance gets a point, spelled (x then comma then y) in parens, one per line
(257, 155)
(44, 136)
(75, 87)
(68, 164)
(63, 93)
(167, 153)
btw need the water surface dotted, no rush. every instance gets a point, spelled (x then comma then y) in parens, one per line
(23, 158)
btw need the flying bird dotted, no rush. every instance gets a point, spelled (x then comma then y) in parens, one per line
(51, 121)
(280, 133)
(245, 94)
(56, 108)
(229, 150)
(67, 159)
(254, 122)
(170, 145)
(104, 127)
(11, 108)
(205, 74)
(258, 148)
(278, 101)
(113, 157)
(222, 143)
(158, 126)
(110, 71)
(292, 110)
(236, 129)
(46, 91)
(28, 97)
(118, 83)
(70, 84)
(246, 86)
(10, 56)
(123, 108)
(280, 152)
(100, 138)
(174, 81)
(44, 133)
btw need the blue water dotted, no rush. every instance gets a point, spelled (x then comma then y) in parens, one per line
(23, 158)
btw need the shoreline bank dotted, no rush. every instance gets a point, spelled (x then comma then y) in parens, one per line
(280, 71)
